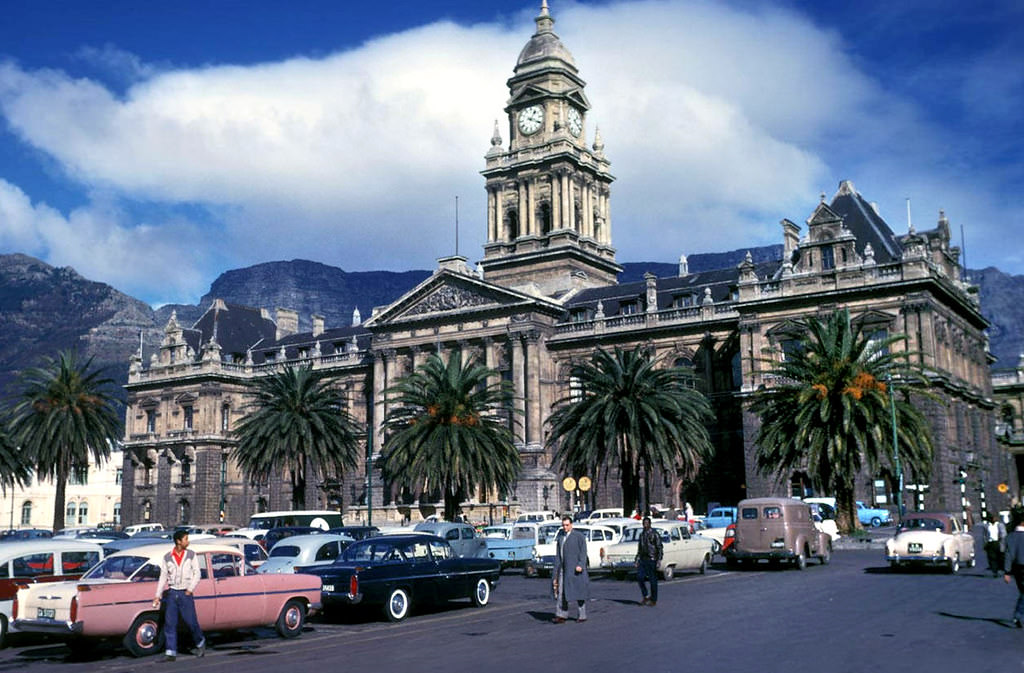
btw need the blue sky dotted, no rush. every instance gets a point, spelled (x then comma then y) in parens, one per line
(154, 145)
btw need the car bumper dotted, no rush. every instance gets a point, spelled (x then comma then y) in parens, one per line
(773, 555)
(50, 626)
(328, 598)
(918, 559)
(543, 563)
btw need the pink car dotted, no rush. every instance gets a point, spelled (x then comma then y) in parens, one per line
(115, 599)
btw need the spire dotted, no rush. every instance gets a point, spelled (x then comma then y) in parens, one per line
(545, 24)
(496, 138)
(598, 141)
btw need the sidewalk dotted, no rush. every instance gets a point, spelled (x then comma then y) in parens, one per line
(875, 539)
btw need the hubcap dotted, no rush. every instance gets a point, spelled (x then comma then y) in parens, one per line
(291, 618)
(397, 605)
(146, 634)
(481, 590)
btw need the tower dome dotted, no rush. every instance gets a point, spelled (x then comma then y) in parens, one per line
(544, 49)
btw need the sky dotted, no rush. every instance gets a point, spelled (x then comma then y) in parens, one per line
(153, 146)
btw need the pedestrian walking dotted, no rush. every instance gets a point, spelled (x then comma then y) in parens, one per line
(571, 580)
(648, 554)
(179, 575)
(1013, 566)
(995, 543)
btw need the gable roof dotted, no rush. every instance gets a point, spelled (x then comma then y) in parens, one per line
(861, 219)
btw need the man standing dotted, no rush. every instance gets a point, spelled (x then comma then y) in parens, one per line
(648, 553)
(995, 543)
(1013, 565)
(179, 574)
(571, 580)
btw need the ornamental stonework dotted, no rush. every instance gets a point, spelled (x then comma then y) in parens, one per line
(448, 298)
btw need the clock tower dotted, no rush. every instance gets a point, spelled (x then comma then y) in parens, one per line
(548, 217)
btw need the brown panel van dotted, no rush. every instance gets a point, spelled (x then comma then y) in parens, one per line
(777, 529)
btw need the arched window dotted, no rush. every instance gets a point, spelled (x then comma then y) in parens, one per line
(512, 223)
(26, 513)
(117, 513)
(184, 511)
(147, 511)
(83, 513)
(69, 513)
(225, 418)
(544, 218)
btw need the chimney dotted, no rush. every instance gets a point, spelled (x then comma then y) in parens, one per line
(790, 239)
(318, 325)
(651, 291)
(356, 318)
(287, 322)
(684, 266)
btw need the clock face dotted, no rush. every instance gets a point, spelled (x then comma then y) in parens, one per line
(531, 119)
(575, 121)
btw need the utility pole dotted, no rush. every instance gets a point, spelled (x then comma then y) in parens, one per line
(895, 441)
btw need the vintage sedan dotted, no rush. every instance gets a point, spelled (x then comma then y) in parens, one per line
(398, 571)
(681, 550)
(115, 599)
(40, 560)
(933, 539)
(463, 538)
(598, 538)
(305, 550)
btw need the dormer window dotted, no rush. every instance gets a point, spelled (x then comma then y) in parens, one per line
(828, 259)
(629, 308)
(683, 300)
(579, 315)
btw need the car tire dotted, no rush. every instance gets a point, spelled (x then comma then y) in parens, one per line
(954, 565)
(396, 607)
(826, 554)
(716, 547)
(876, 522)
(292, 619)
(668, 572)
(731, 562)
(894, 566)
(481, 595)
(704, 564)
(529, 570)
(619, 575)
(800, 562)
(145, 637)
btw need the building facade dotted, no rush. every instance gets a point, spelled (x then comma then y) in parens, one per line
(544, 296)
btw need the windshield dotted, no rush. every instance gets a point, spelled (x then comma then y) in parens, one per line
(287, 550)
(261, 523)
(116, 568)
(547, 533)
(633, 534)
(922, 523)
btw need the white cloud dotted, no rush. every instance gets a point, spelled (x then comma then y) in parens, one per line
(719, 121)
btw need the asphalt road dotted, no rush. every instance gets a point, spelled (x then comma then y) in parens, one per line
(853, 615)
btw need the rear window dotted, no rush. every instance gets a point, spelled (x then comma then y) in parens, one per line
(773, 512)
(749, 513)
(77, 562)
(285, 550)
(116, 568)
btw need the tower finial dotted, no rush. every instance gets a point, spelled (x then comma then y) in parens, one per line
(496, 138)
(545, 24)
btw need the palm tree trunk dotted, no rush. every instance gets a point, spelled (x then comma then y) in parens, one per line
(846, 509)
(60, 495)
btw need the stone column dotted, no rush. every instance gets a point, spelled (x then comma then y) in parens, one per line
(519, 382)
(531, 204)
(499, 215)
(556, 201)
(533, 424)
(491, 216)
(379, 384)
(523, 207)
(566, 221)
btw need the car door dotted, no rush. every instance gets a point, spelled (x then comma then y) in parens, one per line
(239, 599)
(451, 535)
(473, 546)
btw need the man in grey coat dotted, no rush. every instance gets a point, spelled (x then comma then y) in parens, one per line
(1013, 565)
(571, 580)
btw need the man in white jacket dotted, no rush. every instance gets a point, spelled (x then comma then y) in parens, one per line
(179, 574)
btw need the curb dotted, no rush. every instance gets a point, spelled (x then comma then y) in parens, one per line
(850, 544)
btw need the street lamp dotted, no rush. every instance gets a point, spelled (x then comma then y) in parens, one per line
(896, 447)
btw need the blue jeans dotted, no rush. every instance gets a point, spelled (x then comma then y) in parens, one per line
(180, 604)
(647, 571)
(1018, 576)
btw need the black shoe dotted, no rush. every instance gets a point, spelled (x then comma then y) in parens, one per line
(168, 658)
(200, 650)
(1017, 624)
(645, 601)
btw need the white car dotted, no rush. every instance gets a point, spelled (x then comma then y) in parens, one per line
(930, 538)
(304, 550)
(598, 537)
(681, 550)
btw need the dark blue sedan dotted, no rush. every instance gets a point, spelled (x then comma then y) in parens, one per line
(396, 571)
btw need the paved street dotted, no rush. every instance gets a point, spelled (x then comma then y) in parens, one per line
(853, 615)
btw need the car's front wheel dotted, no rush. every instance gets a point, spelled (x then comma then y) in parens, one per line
(397, 606)
(481, 592)
(954, 565)
(876, 522)
(801, 560)
(704, 564)
(3, 631)
(291, 619)
(668, 572)
(826, 554)
(145, 636)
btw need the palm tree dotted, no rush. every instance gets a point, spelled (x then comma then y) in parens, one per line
(296, 422)
(632, 413)
(830, 413)
(445, 431)
(66, 414)
(14, 470)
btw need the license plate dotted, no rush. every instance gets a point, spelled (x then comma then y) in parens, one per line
(328, 588)
(45, 613)
(914, 547)
(778, 545)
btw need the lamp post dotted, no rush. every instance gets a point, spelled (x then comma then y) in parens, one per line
(896, 448)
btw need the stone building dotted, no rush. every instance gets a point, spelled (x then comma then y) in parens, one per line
(544, 295)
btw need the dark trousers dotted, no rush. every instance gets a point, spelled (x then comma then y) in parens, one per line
(995, 556)
(1018, 575)
(180, 604)
(647, 572)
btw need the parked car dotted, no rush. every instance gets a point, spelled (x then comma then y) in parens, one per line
(503, 544)
(305, 550)
(140, 527)
(275, 535)
(873, 516)
(398, 571)
(462, 537)
(356, 532)
(16, 534)
(115, 599)
(777, 529)
(720, 517)
(150, 537)
(606, 513)
(931, 538)
(261, 522)
(254, 553)
(825, 519)
(681, 550)
(536, 517)
(41, 560)
(216, 529)
(597, 537)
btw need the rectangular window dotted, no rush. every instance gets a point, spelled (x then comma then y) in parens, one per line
(150, 421)
(186, 472)
(828, 259)
(79, 476)
(77, 562)
(188, 417)
(119, 476)
(225, 414)
(631, 308)
(749, 513)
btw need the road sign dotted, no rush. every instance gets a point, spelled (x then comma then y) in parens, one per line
(569, 484)
(584, 483)
(1002, 488)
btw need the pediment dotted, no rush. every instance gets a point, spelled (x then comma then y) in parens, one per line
(453, 294)
(823, 215)
(526, 94)
(786, 329)
(873, 318)
(579, 98)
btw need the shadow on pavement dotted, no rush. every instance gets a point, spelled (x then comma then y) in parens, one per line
(1005, 623)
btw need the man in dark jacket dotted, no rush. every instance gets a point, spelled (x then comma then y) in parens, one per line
(571, 580)
(648, 553)
(1013, 565)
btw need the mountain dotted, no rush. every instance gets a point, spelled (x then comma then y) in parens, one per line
(44, 309)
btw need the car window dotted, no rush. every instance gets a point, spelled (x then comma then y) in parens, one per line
(452, 534)
(467, 533)
(921, 523)
(147, 573)
(416, 551)
(440, 550)
(254, 552)
(674, 534)
(749, 513)
(77, 562)
(33, 565)
(773, 512)
(116, 568)
(226, 565)
(327, 552)
(377, 551)
(284, 551)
